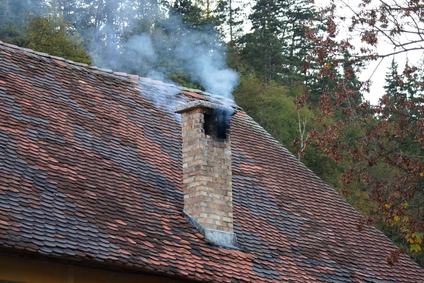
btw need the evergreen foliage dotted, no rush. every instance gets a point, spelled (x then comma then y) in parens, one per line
(52, 36)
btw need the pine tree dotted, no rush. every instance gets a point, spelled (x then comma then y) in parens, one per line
(229, 18)
(262, 49)
(296, 15)
(191, 14)
(277, 48)
(393, 82)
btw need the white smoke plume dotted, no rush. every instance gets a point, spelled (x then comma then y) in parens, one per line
(174, 48)
(168, 46)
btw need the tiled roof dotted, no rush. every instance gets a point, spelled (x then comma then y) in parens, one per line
(91, 171)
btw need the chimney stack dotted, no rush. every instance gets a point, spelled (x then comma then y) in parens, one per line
(206, 153)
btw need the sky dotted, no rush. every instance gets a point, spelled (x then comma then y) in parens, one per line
(375, 70)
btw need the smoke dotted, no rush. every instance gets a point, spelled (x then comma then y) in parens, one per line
(205, 62)
(171, 48)
(140, 37)
(15, 13)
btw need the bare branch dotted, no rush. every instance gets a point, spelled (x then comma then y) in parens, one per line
(400, 51)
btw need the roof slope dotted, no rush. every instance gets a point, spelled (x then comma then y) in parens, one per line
(91, 170)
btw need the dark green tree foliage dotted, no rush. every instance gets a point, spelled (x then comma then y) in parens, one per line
(193, 17)
(190, 14)
(52, 36)
(262, 49)
(296, 16)
(277, 48)
(12, 34)
(406, 87)
(393, 80)
(229, 18)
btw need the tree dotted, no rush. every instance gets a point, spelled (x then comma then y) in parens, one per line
(277, 47)
(14, 17)
(191, 14)
(378, 146)
(12, 34)
(397, 22)
(272, 105)
(297, 16)
(229, 16)
(51, 35)
(23, 23)
(393, 80)
(262, 48)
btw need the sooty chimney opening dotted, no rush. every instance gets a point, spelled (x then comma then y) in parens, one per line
(217, 123)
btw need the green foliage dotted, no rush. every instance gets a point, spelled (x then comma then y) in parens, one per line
(230, 19)
(271, 106)
(46, 34)
(262, 51)
(52, 36)
(14, 17)
(12, 34)
(278, 46)
(190, 14)
(182, 79)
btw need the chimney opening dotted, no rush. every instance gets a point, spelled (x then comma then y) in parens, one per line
(217, 123)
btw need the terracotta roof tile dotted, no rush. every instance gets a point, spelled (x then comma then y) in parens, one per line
(91, 171)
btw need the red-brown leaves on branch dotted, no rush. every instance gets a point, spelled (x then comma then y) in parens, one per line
(300, 101)
(370, 37)
(331, 27)
(321, 54)
(379, 147)
(325, 104)
(398, 23)
(347, 177)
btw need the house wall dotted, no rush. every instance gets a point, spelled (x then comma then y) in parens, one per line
(22, 270)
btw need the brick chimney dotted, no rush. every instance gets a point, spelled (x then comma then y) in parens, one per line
(207, 173)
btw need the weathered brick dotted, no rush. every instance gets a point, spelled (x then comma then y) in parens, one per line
(206, 173)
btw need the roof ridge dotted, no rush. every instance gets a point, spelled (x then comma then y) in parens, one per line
(133, 77)
(195, 93)
(71, 63)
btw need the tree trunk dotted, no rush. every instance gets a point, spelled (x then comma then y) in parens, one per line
(208, 8)
(231, 21)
